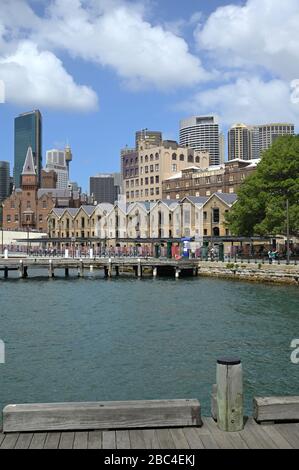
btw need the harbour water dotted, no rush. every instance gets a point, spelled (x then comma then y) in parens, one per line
(128, 339)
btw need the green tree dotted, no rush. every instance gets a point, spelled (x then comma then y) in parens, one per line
(262, 197)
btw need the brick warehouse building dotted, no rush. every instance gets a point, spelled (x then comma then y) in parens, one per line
(26, 209)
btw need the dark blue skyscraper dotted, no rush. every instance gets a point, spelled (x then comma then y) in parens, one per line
(28, 133)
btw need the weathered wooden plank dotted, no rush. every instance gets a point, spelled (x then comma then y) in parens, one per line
(101, 415)
(123, 440)
(109, 440)
(151, 439)
(276, 437)
(9, 441)
(52, 440)
(179, 438)
(207, 440)
(222, 438)
(252, 440)
(24, 441)
(193, 439)
(95, 440)
(137, 439)
(264, 439)
(276, 408)
(289, 432)
(165, 439)
(67, 440)
(80, 441)
(38, 440)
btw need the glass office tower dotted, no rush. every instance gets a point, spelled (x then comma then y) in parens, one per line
(28, 133)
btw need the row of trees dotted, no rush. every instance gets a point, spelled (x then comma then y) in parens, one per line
(262, 198)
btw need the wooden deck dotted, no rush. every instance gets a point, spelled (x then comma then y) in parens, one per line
(253, 436)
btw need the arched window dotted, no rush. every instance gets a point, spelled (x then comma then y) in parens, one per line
(157, 156)
(216, 232)
(190, 158)
(197, 159)
(174, 156)
(146, 158)
(151, 157)
(182, 157)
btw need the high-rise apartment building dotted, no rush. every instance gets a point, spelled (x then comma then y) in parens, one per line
(255, 142)
(4, 180)
(202, 133)
(104, 188)
(28, 133)
(269, 132)
(240, 142)
(56, 161)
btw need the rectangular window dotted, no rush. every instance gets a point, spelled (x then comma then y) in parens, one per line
(204, 215)
(152, 191)
(44, 204)
(174, 167)
(146, 180)
(146, 192)
(146, 169)
(157, 180)
(151, 168)
(216, 216)
(157, 191)
(40, 218)
(152, 180)
(28, 204)
(157, 168)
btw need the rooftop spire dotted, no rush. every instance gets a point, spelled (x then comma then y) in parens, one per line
(29, 168)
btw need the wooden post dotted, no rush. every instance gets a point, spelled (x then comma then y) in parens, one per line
(25, 275)
(214, 402)
(21, 268)
(81, 271)
(155, 271)
(5, 272)
(229, 379)
(139, 269)
(66, 272)
(51, 268)
(105, 271)
(117, 270)
(110, 268)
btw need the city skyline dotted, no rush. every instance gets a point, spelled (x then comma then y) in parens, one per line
(96, 98)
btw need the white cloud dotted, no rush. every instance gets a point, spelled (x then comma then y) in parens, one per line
(118, 36)
(38, 78)
(252, 101)
(261, 33)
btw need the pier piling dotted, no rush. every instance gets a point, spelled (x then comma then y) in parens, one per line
(229, 378)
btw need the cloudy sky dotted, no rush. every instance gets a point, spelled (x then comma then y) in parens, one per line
(100, 69)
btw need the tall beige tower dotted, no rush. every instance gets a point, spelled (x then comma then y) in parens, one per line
(239, 142)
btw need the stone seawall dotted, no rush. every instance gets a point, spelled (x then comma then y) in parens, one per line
(275, 273)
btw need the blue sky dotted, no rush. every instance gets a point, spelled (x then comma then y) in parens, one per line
(101, 69)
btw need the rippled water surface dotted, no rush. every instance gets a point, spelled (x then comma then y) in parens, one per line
(125, 339)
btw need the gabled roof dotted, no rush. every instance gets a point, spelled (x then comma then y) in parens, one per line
(58, 211)
(29, 168)
(228, 198)
(88, 209)
(196, 199)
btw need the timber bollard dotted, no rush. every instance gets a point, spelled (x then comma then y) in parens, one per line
(229, 379)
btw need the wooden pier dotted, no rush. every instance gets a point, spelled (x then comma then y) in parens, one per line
(110, 266)
(208, 436)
